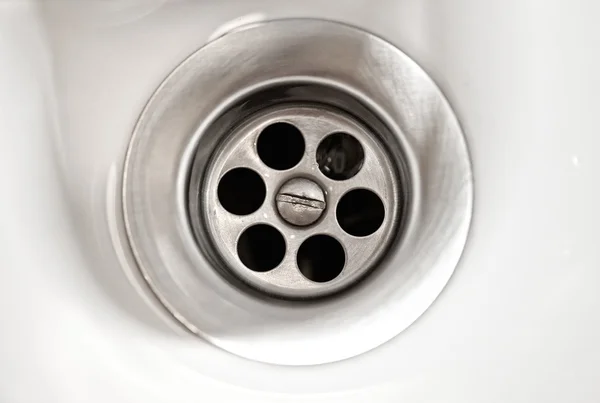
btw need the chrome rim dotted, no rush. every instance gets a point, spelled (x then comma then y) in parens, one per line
(363, 81)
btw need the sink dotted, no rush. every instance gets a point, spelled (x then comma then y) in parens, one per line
(517, 321)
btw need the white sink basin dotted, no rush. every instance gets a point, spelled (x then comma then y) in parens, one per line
(518, 321)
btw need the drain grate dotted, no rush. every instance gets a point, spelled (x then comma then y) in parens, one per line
(329, 210)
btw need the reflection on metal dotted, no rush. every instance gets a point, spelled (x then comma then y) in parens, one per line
(323, 77)
(296, 195)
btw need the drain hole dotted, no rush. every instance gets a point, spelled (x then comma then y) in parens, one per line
(280, 146)
(360, 212)
(241, 191)
(261, 248)
(340, 156)
(321, 258)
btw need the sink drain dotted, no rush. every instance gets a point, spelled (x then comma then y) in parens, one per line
(313, 185)
(302, 209)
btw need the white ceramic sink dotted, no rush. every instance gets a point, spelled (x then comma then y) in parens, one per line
(519, 320)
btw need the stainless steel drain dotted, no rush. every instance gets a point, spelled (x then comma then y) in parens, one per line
(330, 162)
(315, 174)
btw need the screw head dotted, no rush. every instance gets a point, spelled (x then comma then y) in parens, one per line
(300, 201)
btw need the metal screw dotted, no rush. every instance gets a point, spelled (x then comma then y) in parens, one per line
(300, 201)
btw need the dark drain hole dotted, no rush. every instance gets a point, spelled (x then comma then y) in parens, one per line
(261, 248)
(321, 258)
(360, 212)
(340, 156)
(280, 146)
(241, 191)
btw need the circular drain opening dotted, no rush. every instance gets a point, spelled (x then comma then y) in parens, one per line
(321, 258)
(280, 146)
(360, 212)
(338, 152)
(340, 156)
(261, 248)
(241, 191)
(427, 203)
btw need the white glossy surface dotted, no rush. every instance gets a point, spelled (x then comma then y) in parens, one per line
(518, 321)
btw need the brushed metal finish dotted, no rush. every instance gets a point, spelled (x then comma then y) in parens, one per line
(354, 71)
(315, 123)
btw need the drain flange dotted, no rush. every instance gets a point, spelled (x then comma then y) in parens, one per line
(204, 266)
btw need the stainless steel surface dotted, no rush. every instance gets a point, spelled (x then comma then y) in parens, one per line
(304, 179)
(294, 61)
(300, 201)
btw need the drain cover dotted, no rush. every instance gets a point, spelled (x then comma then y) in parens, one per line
(326, 177)
(304, 208)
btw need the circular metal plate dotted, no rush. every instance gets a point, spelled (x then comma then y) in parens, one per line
(177, 125)
(239, 150)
